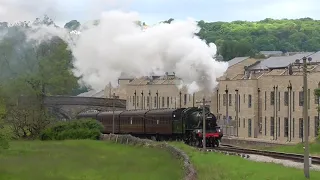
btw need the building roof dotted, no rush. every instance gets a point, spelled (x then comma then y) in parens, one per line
(270, 53)
(236, 60)
(92, 93)
(124, 76)
(280, 61)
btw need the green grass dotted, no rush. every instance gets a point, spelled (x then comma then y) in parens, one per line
(86, 160)
(297, 149)
(214, 166)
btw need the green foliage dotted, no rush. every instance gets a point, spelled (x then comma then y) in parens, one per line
(72, 25)
(32, 70)
(242, 38)
(4, 141)
(235, 167)
(86, 160)
(76, 129)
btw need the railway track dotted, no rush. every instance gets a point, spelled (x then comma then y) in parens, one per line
(273, 154)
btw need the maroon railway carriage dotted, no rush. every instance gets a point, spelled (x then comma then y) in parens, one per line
(183, 123)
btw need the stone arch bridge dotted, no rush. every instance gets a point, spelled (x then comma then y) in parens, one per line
(69, 106)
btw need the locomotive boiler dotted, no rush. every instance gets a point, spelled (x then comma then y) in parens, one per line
(161, 124)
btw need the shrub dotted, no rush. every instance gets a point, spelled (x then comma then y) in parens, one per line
(75, 129)
(5, 136)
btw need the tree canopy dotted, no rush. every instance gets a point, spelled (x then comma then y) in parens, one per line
(243, 38)
(32, 69)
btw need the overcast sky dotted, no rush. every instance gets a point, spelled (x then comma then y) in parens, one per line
(152, 11)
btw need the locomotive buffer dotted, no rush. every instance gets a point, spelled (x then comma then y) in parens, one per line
(203, 122)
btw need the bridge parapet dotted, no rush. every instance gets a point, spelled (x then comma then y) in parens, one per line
(70, 106)
(85, 101)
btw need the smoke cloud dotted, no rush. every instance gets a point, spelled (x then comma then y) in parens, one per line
(118, 45)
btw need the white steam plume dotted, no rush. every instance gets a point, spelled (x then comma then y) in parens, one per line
(118, 45)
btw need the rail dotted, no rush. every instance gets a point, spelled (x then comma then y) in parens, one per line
(273, 154)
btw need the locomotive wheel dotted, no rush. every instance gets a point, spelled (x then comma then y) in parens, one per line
(217, 142)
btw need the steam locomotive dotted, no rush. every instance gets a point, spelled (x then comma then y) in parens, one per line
(162, 124)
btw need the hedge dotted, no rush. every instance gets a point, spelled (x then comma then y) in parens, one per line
(74, 129)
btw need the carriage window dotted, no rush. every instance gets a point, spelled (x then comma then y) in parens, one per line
(157, 121)
(131, 120)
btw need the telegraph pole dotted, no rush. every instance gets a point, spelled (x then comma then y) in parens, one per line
(113, 107)
(204, 123)
(305, 118)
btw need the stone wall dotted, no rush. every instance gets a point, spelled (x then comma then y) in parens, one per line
(190, 172)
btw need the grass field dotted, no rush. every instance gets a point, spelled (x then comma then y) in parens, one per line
(86, 160)
(298, 149)
(213, 166)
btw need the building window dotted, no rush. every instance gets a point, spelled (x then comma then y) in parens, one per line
(300, 127)
(308, 98)
(185, 100)
(155, 101)
(148, 101)
(272, 98)
(249, 127)
(244, 98)
(308, 126)
(162, 101)
(279, 127)
(224, 99)
(244, 123)
(171, 99)
(168, 102)
(265, 126)
(239, 103)
(189, 97)
(239, 122)
(230, 99)
(137, 101)
(133, 101)
(219, 102)
(130, 99)
(235, 102)
(293, 102)
(271, 126)
(279, 101)
(286, 98)
(265, 100)
(260, 125)
(144, 102)
(316, 126)
(293, 125)
(286, 127)
(301, 98)
(249, 100)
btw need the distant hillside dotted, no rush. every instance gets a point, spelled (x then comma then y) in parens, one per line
(243, 38)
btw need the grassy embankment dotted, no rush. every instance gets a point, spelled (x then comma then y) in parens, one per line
(214, 166)
(298, 149)
(87, 160)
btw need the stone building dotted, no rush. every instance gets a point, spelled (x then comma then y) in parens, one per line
(159, 92)
(256, 98)
(265, 99)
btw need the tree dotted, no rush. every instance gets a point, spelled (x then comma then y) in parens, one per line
(3, 135)
(237, 37)
(32, 71)
(72, 25)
